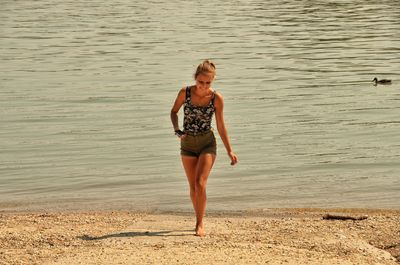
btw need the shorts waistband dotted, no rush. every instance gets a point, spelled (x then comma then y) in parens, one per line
(197, 133)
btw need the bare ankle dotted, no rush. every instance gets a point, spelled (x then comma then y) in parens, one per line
(200, 229)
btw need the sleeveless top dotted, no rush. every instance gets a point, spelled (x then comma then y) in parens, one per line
(197, 119)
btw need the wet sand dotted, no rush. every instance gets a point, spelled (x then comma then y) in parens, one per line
(272, 236)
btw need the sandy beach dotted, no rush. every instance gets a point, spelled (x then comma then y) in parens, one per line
(272, 236)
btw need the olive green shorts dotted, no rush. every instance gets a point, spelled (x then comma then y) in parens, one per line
(195, 145)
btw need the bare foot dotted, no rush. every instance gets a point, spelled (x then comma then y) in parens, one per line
(200, 230)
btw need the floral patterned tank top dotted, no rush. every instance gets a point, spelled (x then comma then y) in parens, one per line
(197, 119)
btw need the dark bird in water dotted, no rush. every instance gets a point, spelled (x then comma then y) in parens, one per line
(382, 81)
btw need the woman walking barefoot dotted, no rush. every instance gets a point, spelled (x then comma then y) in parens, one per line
(198, 144)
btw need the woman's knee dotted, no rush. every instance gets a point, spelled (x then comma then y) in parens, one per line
(201, 184)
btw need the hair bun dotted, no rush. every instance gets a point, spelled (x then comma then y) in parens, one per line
(209, 62)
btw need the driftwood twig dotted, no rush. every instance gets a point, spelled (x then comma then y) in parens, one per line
(344, 217)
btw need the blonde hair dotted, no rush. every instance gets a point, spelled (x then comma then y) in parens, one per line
(206, 67)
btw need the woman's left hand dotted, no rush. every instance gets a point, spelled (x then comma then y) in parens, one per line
(233, 158)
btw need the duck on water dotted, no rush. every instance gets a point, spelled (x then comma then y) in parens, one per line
(382, 81)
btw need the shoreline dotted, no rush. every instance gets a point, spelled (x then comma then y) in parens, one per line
(268, 236)
(94, 206)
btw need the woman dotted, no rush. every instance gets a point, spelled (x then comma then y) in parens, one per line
(198, 144)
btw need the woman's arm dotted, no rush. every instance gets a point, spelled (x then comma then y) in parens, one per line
(180, 99)
(223, 132)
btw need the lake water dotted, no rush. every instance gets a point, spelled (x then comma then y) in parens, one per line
(86, 88)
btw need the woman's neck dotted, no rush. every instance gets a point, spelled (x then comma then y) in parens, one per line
(204, 93)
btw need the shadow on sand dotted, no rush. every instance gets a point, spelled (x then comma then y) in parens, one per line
(137, 234)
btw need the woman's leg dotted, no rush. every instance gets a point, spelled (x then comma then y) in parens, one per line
(190, 165)
(203, 169)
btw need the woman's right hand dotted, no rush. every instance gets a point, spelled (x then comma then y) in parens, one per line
(181, 135)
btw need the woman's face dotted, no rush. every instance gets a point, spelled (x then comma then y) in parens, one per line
(203, 81)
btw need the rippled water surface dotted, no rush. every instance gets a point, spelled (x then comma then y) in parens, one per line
(86, 88)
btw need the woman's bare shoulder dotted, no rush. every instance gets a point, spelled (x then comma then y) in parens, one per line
(219, 100)
(182, 91)
(218, 96)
